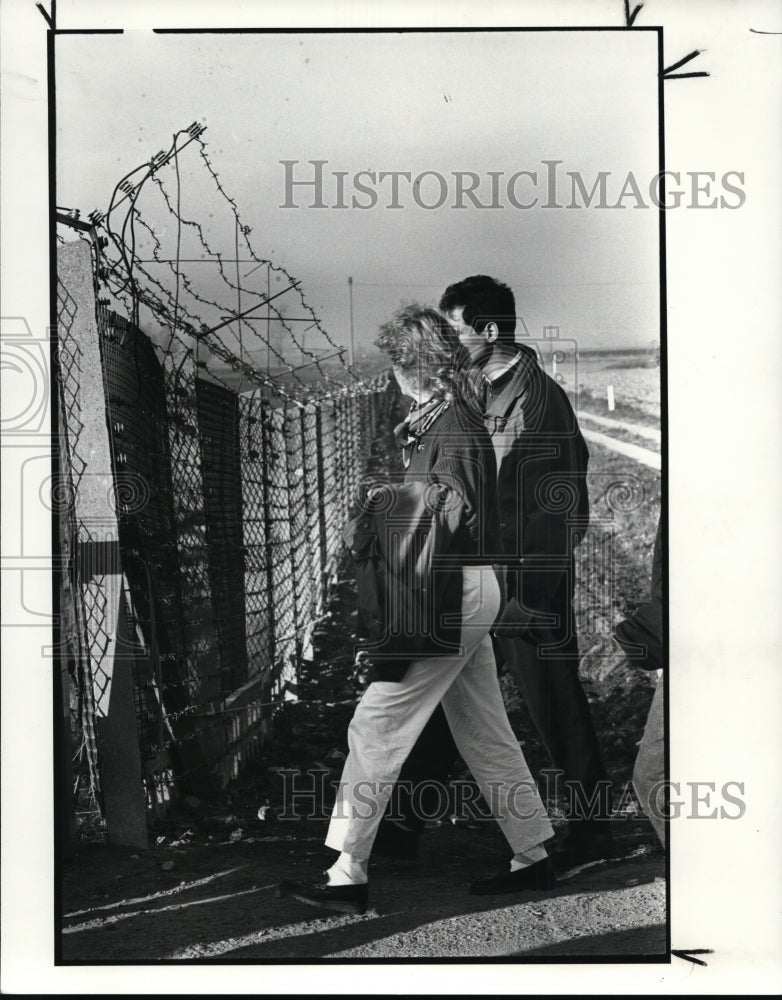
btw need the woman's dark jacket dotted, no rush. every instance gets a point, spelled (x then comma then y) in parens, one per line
(411, 540)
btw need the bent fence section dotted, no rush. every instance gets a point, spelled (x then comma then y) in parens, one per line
(200, 531)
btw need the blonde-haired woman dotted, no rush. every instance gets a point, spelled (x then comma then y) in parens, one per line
(433, 535)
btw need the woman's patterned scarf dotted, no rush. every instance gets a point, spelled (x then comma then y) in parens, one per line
(409, 433)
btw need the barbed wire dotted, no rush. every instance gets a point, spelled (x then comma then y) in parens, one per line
(166, 308)
(156, 250)
(279, 316)
(128, 286)
(246, 230)
(163, 311)
(123, 270)
(127, 269)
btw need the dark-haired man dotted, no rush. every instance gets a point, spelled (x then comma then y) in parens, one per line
(544, 512)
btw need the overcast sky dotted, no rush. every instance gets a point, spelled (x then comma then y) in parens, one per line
(480, 102)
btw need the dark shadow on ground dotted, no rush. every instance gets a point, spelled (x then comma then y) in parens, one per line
(217, 901)
(434, 903)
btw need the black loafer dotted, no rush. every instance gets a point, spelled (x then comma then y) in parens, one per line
(341, 898)
(538, 876)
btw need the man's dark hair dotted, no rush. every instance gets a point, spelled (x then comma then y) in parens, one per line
(483, 300)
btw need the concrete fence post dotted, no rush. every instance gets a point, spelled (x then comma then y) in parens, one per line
(99, 572)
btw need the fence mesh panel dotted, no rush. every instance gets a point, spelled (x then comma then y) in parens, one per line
(229, 508)
(218, 426)
(316, 554)
(280, 553)
(257, 564)
(73, 463)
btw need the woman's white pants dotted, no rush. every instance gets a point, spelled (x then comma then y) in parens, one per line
(391, 715)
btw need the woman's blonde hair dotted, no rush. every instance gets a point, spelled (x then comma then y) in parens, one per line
(426, 349)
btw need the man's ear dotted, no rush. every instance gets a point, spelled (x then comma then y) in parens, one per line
(491, 332)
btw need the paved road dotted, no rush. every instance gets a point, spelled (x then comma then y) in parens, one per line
(640, 430)
(633, 451)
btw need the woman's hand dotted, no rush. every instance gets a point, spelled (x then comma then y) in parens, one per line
(361, 667)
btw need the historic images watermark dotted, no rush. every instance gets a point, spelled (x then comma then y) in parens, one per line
(305, 794)
(312, 184)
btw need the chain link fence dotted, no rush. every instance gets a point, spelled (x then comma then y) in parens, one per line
(229, 508)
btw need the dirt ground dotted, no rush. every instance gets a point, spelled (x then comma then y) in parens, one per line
(211, 896)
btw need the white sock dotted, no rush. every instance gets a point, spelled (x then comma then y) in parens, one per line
(529, 857)
(348, 870)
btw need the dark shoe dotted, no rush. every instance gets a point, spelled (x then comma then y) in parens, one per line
(342, 898)
(537, 876)
(584, 846)
(393, 841)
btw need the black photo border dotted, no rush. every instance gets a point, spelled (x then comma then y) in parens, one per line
(51, 35)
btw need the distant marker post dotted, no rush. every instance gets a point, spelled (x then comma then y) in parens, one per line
(350, 296)
(610, 394)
